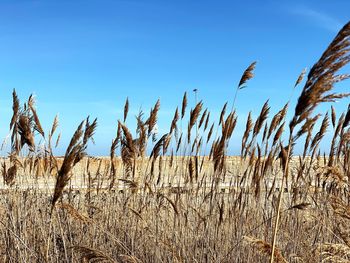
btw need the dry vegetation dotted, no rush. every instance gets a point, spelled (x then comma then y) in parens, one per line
(176, 204)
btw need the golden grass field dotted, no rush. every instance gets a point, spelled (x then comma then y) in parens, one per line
(174, 220)
(186, 200)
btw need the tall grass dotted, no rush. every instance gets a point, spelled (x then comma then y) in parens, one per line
(175, 203)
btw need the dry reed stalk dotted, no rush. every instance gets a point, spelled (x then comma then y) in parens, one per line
(321, 79)
(172, 203)
(54, 125)
(141, 141)
(334, 116)
(193, 119)
(15, 108)
(264, 133)
(210, 132)
(347, 118)
(128, 150)
(25, 132)
(307, 127)
(24, 123)
(75, 152)
(222, 114)
(126, 109)
(51, 133)
(184, 105)
(201, 121)
(113, 148)
(323, 129)
(338, 130)
(179, 143)
(300, 78)
(195, 114)
(247, 75)
(261, 119)
(277, 119)
(37, 124)
(248, 129)
(173, 125)
(191, 170)
(218, 149)
(207, 121)
(162, 144)
(278, 134)
(152, 120)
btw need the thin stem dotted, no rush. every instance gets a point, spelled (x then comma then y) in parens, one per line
(234, 99)
(280, 197)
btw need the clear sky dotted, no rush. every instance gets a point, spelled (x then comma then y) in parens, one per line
(85, 57)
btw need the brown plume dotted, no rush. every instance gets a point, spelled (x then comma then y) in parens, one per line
(184, 105)
(126, 109)
(300, 78)
(322, 77)
(247, 75)
(74, 153)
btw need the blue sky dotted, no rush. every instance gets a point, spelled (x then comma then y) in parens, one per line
(85, 57)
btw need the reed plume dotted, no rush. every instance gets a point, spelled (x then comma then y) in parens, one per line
(322, 77)
(184, 105)
(247, 75)
(173, 125)
(347, 118)
(334, 116)
(193, 119)
(248, 129)
(37, 124)
(201, 121)
(207, 121)
(261, 119)
(222, 114)
(128, 150)
(54, 125)
(74, 153)
(300, 78)
(152, 120)
(126, 109)
(15, 108)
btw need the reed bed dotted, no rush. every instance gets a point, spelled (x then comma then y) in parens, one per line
(186, 200)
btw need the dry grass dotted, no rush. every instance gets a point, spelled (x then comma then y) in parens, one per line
(175, 203)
